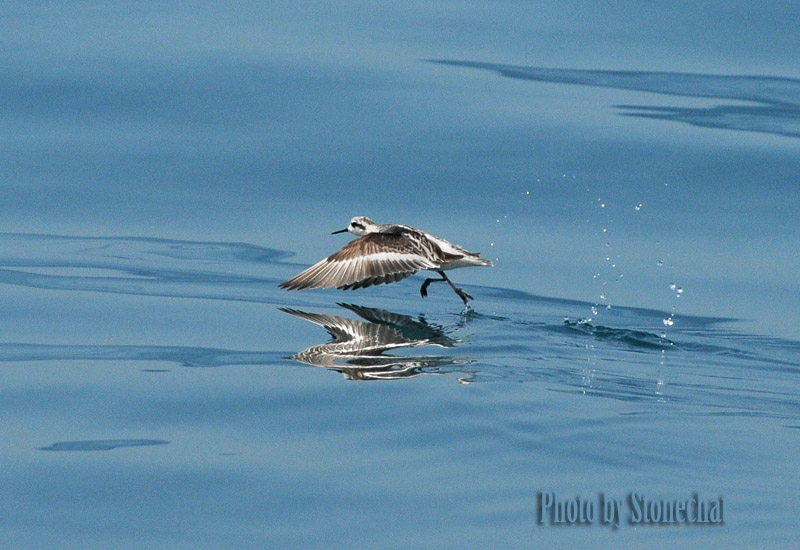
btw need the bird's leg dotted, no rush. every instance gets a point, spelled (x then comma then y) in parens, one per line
(461, 293)
(423, 290)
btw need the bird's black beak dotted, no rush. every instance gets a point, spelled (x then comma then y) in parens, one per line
(340, 231)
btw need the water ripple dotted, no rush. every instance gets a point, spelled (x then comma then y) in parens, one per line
(186, 356)
(138, 265)
(777, 99)
(101, 444)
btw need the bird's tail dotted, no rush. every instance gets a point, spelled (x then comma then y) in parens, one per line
(476, 258)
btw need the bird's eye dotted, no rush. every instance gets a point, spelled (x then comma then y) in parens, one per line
(358, 225)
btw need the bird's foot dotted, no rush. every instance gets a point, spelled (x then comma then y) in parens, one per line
(464, 295)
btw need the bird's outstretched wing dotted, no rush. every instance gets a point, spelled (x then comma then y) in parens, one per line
(372, 259)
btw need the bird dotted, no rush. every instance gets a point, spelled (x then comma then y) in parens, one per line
(383, 254)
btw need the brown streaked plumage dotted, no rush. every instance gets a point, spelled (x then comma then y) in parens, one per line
(383, 254)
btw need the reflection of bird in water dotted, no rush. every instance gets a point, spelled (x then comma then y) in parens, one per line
(385, 253)
(357, 346)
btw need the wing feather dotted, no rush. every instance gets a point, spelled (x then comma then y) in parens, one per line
(369, 260)
(337, 273)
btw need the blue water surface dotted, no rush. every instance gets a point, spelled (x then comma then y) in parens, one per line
(630, 170)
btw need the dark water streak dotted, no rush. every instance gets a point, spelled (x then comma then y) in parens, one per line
(778, 111)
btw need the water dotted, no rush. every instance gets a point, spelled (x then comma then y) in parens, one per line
(633, 178)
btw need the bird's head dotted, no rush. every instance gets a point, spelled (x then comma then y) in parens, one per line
(360, 225)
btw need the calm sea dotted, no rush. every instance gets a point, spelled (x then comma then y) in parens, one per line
(632, 171)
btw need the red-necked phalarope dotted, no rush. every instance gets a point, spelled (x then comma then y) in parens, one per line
(385, 253)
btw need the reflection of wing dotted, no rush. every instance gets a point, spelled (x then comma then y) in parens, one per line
(410, 328)
(398, 367)
(381, 316)
(351, 336)
(357, 347)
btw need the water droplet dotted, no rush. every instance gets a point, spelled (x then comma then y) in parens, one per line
(602, 205)
(605, 230)
(491, 244)
(594, 310)
(527, 192)
(638, 207)
(602, 296)
(673, 286)
(659, 263)
(668, 322)
(679, 290)
(608, 306)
